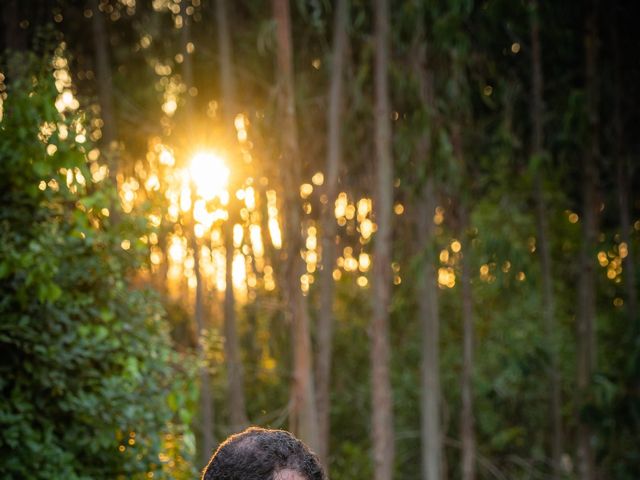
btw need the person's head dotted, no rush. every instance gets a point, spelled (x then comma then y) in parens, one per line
(261, 454)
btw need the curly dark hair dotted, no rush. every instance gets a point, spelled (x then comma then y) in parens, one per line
(260, 454)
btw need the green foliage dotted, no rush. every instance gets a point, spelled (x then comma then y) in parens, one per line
(90, 387)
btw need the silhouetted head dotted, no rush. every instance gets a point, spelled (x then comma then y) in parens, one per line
(261, 454)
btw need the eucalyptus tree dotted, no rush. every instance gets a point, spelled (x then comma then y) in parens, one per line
(329, 231)
(624, 170)
(427, 291)
(382, 398)
(104, 79)
(303, 413)
(235, 376)
(586, 302)
(548, 296)
(460, 121)
(200, 312)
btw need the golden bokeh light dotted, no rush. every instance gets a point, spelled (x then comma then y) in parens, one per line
(306, 189)
(623, 249)
(364, 262)
(438, 216)
(317, 179)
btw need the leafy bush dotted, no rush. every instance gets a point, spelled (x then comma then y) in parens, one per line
(89, 384)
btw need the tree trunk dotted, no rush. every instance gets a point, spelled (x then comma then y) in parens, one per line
(15, 39)
(623, 180)
(187, 63)
(334, 155)
(430, 323)
(427, 290)
(467, 420)
(382, 398)
(105, 89)
(206, 400)
(586, 332)
(548, 298)
(303, 413)
(235, 377)
(235, 372)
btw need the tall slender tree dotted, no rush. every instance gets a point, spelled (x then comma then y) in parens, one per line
(430, 325)
(187, 62)
(548, 297)
(235, 376)
(586, 331)
(104, 79)
(334, 155)
(467, 419)
(427, 290)
(382, 397)
(303, 413)
(623, 178)
(460, 109)
(15, 39)
(206, 397)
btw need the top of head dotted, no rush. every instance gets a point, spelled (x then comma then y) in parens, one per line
(262, 454)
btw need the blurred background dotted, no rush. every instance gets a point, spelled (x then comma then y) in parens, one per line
(406, 231)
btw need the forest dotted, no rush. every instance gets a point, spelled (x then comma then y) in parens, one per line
(406, 231)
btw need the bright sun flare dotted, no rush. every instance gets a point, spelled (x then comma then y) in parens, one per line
(209, 174)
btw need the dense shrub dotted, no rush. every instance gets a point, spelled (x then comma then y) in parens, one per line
(89, 384)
